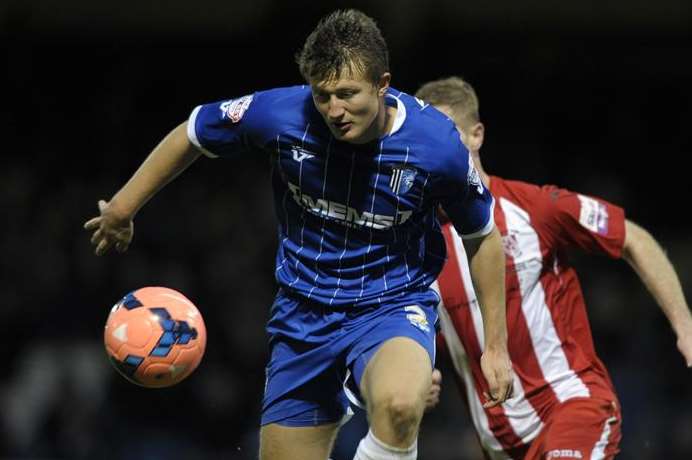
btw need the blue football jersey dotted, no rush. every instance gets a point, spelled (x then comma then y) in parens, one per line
(357, 224)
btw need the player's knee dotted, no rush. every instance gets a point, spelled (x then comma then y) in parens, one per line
(403, 411)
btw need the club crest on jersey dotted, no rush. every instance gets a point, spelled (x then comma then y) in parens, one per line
(300, 154)
(474, 178)
(235, 108)
(510, 245)
(402, 179)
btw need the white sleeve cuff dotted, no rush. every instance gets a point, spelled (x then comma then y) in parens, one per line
(487, 228)
(192, 133)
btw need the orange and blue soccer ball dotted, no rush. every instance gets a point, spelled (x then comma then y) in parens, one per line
(155, 337)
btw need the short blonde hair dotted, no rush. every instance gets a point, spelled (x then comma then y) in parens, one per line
(456, 93)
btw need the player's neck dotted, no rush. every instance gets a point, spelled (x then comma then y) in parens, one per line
(475, 156)
(384, 121)
(485, 178)
(389, 115)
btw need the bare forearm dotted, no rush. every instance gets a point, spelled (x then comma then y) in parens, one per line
(487, 263)
(647, 258)
(172, 156)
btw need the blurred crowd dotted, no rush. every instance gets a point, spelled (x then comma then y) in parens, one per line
(79, 117)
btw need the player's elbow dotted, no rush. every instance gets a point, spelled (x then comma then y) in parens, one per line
(637, 242)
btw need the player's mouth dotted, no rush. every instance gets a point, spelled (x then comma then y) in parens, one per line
(343, 127)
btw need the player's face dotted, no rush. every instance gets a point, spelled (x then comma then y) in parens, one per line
(352, 106)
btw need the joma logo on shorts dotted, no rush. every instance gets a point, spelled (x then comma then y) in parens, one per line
(564, 453)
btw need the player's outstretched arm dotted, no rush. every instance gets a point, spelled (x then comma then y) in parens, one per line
(487, 264)
(113, 226)
(647, 258)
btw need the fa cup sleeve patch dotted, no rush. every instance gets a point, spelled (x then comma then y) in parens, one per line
(593, 215)
(235, 108)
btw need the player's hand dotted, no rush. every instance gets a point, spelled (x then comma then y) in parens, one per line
(433, 397)
(110, 229)
(685, 344)
(497, 370)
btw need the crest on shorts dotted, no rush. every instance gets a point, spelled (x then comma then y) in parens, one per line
(235, 108)
(417, 317)
(402, 179)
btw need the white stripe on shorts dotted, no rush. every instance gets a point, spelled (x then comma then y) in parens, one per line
(598, 451)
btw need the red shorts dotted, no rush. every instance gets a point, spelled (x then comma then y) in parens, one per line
(580, 428)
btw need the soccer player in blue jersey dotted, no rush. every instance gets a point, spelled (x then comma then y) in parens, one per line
(358, 171)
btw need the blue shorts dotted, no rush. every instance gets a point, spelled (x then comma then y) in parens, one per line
(317, 351)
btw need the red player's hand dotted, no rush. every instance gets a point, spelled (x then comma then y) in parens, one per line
(497, 370)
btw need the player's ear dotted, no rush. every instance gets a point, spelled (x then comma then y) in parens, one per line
(383, 84)
(475, 135)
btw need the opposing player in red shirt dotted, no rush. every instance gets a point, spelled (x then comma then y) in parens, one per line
(564, 403)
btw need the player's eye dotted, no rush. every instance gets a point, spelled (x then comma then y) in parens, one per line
(346, 94)
(320, 97)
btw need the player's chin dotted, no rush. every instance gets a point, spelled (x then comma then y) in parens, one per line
(352, 135)
(341, 135)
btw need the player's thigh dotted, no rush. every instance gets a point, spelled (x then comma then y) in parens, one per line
(400, 369)
(278, 442)
(580, 428)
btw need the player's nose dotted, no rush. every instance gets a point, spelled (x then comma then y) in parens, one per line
(335, 110)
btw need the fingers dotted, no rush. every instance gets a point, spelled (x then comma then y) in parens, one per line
(500, 390)
(433, 397)
(103, 246)
(688, 360)
(92, 223)
(108, 232)
(685, 347)
(121, 246)
(97, 236)
(432, 401)
(491, 401)
(103, 243)
(436, 377)
(509, 391)
(492, 398)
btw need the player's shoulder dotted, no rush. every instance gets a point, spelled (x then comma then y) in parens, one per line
(285, 93)
(283, 99)
(432, 133)
(426, 120)
(536, 200)
(512, 188)
(283, 106)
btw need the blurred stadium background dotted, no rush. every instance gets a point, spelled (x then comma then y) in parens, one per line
(594, 96)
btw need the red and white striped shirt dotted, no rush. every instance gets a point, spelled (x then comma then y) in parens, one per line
(550, 341)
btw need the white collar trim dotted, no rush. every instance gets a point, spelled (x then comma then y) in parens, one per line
(400, 115)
